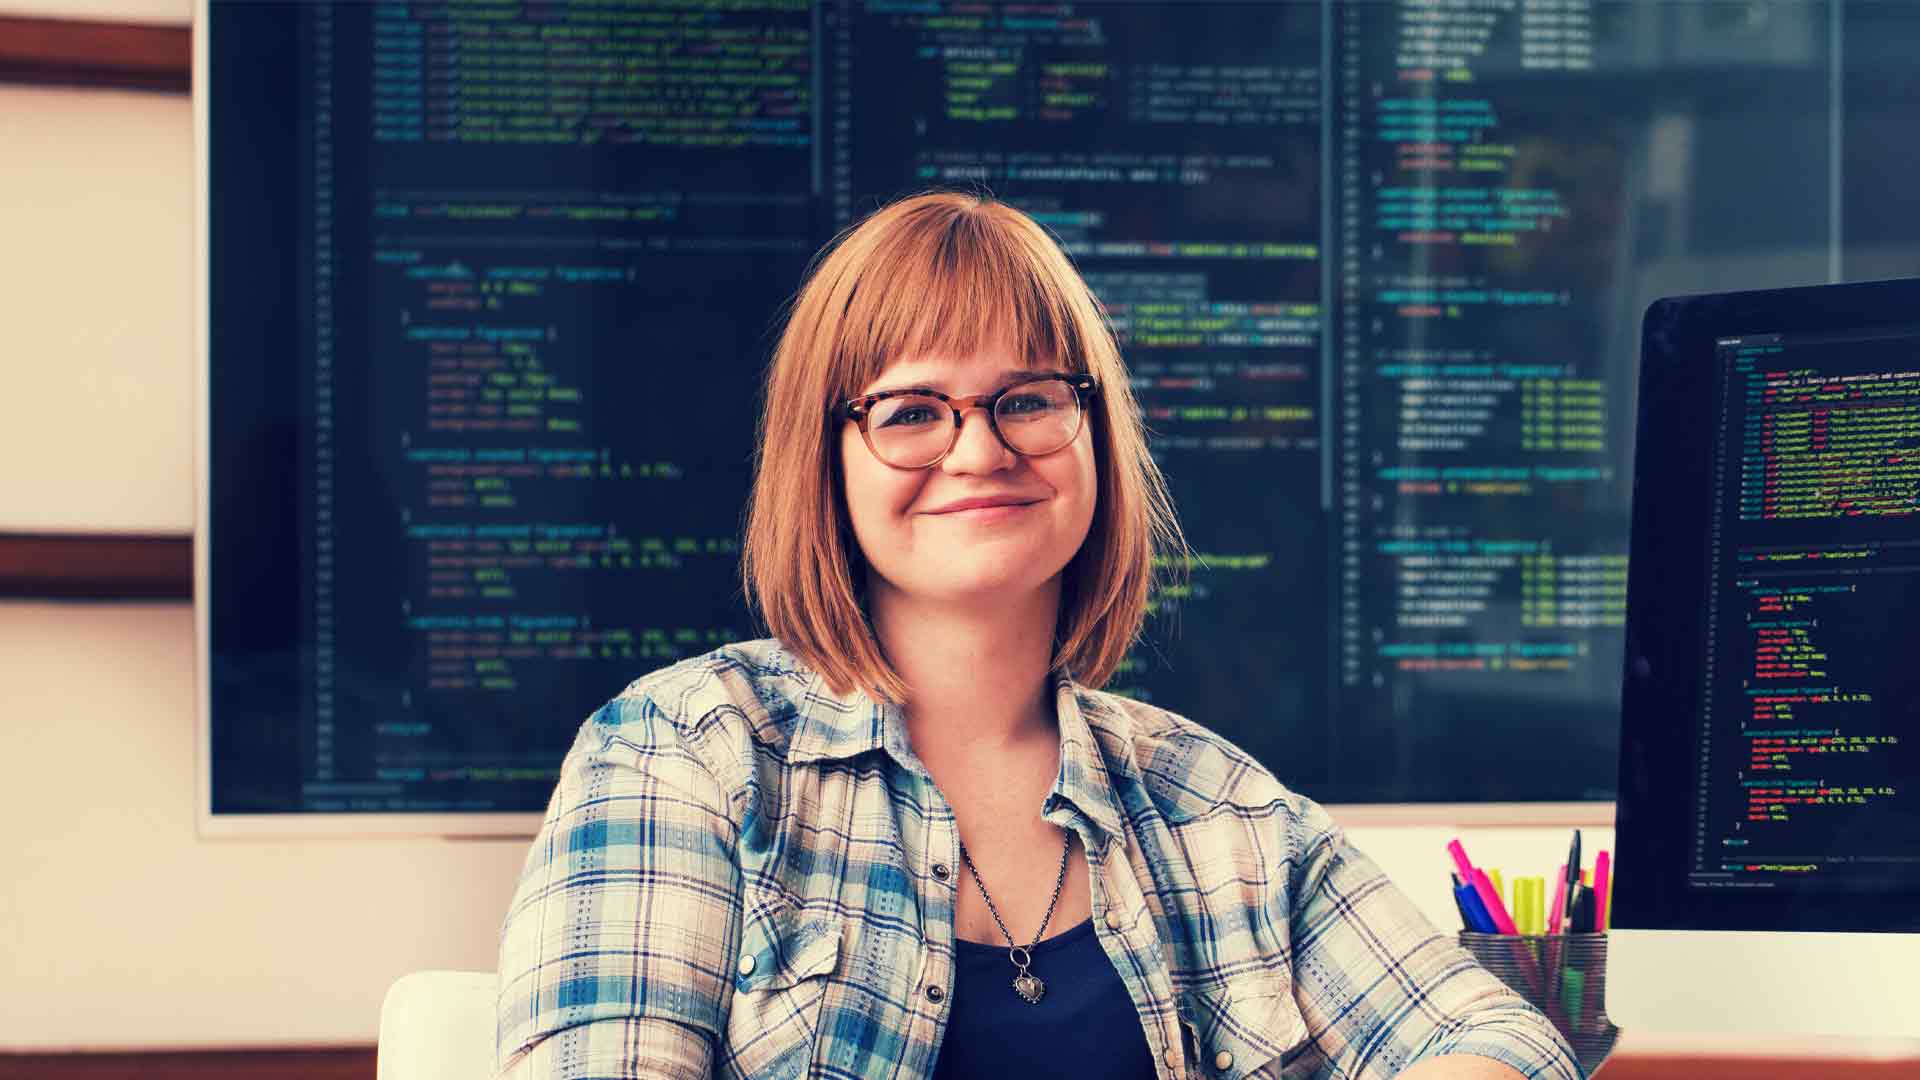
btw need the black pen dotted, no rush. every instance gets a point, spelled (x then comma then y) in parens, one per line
(1573, 877)
(1583, 913)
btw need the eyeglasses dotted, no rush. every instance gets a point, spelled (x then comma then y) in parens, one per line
(917, 428)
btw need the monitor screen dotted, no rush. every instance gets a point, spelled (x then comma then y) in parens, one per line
(1768, 831)
(1770, 777)
(1810, 714)
(490, 290)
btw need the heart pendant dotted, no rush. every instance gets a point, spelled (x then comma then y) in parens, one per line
(1030, 988)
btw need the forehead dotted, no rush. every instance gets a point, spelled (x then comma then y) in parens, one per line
(956, 373)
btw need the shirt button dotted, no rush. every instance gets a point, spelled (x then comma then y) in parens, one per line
(1223, 1061)
(941, 871)
(936, 995)
(1173, 1057)
(1113, 919)
(746, 964)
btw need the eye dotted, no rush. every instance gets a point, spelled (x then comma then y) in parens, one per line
(1025, 404)
(908, 415)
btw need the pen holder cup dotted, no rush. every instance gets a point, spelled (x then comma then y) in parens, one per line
(1562, 975)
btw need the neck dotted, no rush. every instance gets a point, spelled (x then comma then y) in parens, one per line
(979, 678)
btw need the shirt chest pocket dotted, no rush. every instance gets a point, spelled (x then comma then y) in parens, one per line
(1246, 1027)
(780, 977)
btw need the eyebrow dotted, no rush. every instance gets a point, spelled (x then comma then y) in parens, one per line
(1000, 381)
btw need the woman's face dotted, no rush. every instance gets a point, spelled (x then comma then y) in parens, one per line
(917, 543)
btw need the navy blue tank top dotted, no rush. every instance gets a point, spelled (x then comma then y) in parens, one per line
(1085, 1025)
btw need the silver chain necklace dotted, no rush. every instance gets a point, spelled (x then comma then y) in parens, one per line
(1025, 983)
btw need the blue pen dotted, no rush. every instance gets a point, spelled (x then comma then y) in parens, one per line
(1469, 901)
(1466, 921)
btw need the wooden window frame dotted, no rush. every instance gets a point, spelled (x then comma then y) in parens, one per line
(82, 566)
(125, 56)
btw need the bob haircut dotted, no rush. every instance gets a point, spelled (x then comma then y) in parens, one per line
(951, 274)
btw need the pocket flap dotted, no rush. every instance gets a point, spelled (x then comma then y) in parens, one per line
(787, 944)
(1252, 1022)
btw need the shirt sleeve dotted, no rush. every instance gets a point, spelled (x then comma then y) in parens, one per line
(1381, 988)
(616, 950)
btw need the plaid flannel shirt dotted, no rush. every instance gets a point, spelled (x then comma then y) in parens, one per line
(743, 874)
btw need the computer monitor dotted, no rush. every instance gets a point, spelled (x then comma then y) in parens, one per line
(1768, 830)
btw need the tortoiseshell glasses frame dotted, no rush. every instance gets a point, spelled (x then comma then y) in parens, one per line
(860, 411)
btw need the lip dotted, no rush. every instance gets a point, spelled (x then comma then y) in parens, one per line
(986, 515)
(984, 503)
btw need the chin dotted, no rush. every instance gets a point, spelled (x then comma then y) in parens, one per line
(961, 580)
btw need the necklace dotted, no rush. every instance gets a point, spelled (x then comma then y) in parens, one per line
(1025, 983)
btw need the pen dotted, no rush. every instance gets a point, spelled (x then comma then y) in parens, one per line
(1573, 872)
(1496, 911)
(1602, 881)
(1466, 920)
(1583, 908)
(1607, 924)
(1573, 993)
(1471, 911)
(1460, 861)
(1502, 922)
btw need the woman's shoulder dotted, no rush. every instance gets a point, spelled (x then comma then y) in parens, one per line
(1187, 768)
(749, 669)
(712, 704)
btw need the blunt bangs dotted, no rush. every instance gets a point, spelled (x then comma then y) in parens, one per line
(956, 281)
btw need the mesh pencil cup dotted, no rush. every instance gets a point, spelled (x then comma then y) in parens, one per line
(1562, 975)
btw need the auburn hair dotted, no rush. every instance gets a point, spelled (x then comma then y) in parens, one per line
(948, 273)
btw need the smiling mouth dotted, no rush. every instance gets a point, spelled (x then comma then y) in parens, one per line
(991, 511)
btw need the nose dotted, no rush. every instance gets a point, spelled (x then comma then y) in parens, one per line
(978, 448)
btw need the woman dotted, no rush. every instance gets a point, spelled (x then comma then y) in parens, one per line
(906, 837)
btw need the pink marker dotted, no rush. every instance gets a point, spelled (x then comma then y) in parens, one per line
(1559, 900)
(1502, 921)
(1460, 860)
(1602, 870)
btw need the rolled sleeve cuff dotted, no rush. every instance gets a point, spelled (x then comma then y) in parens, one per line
(1520, 1039)
(614, 1049)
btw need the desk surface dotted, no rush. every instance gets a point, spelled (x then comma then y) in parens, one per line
(1664, 1056)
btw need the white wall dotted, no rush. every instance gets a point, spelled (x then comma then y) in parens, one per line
(119, 928)
(96, 266)
(108, 896)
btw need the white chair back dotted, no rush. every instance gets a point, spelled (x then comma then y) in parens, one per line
(437, 1025)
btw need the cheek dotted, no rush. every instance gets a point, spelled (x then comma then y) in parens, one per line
(1087, 477)
(874, 492)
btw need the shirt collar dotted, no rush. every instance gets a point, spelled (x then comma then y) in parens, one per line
(1084, 779)
(831, 727)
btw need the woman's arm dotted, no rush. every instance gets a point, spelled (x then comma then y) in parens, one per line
(1388, 994)
(1461, 1067)
(617, 951)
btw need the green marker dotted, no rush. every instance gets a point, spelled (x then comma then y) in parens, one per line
(1573, 993)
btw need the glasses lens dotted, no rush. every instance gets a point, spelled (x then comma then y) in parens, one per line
(1039, 417)
(909, 431)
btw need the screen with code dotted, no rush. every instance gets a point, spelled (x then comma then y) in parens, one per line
(1809, 770)
(493, 285)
